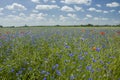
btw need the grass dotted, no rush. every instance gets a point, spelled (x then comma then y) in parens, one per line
(59, 54)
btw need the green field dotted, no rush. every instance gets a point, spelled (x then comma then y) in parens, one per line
(60, 53)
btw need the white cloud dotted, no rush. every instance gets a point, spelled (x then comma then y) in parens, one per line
(16, 6)
(53, 1)
(105, 11)
(1, 13)
(78, 8)
(85, 18)
(1, 9)
(35, 11)
(35, 1)
(62, 18)
(72, 15)
(94, 9)
(98, 10)
(98, 5)
(86, 2)
(88, 15)
(112, 10)
(46, 7)
(22, 14)
(67, 9)
(119, 12)
(113, 4)
(40, 16)
(100, 18)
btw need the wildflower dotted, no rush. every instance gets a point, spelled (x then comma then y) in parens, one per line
(71, 54)
(85, 53)
(92, 71)
(72, 77)
(19, 72)
(93, 60)
(90, 79)
(102, 33)
(67, 46)
(47, 73)
(44, 78)
(118, 32)
(89, 67)
(0, 44)
(98, 49)
(101, 62)
(30, 69)
(22, 69)
(83, 30)
(1, 69)
(43, 72)
(12, 70)
(80, 57)
(56, 66)
(58, 72)
(94, 48)
(103, 46)
(7, 32)
(83, 39)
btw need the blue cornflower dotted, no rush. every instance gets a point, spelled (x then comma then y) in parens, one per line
(82, 39)
(92, 71)
(47, 73)
(93, 60)
(89, 67)
(1, 69)
(55, 66)
(103, 46)
(80, 57)
(30, 68)
(101, 62)
(58, 72)
(85, 53)
(67, 46)
(19, 72)
(44, 78)
(12, 70)
(43, 72)
(0, 44)
(98, 49)
(72, 77)
(22, 69)
(71, 54)
(90, 79)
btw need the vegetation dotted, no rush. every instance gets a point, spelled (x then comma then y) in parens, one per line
(49, 53)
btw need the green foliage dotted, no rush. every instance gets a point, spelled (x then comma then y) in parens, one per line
(59, 54)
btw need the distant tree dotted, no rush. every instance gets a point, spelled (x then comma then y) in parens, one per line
(1, 26)
(12, 26)
(26, 25)
(89, 25)
(57, 25)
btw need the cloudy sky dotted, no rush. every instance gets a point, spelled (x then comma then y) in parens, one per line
(62, 12)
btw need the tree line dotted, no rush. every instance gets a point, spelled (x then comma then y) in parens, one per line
(87, 25)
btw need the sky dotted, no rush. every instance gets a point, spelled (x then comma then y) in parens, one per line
(59, 12)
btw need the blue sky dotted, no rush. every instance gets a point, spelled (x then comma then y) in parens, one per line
(62, 12)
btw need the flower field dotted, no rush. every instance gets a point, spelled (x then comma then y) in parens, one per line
(59, 53)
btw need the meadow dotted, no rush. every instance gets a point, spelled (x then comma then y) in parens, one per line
(43, 53)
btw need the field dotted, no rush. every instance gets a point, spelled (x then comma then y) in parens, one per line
(60, 53)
